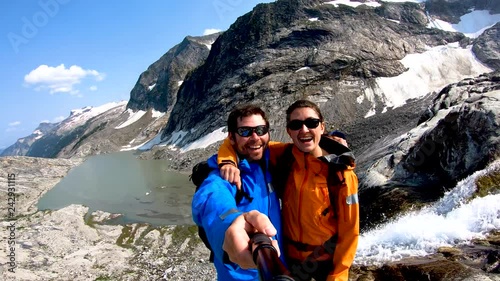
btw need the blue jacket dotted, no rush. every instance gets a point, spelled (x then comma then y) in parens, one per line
(214, 207)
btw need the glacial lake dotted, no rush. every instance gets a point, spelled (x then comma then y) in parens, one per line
(140, 190)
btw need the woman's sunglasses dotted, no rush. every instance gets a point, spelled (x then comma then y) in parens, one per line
(310, 123)
(248, 131)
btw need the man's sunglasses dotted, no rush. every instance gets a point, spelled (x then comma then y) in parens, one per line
(310, 123)
(248, 131)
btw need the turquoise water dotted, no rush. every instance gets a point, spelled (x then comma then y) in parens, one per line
(140, 190)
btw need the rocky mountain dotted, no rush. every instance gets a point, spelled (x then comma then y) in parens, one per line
(90, 131)
(22, 145)
(157, 86)
(68, 134)
(487, 45)
(332, 55)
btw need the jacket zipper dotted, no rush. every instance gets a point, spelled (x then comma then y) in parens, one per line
(301, 193)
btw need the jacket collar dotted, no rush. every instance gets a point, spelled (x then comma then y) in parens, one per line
(339, 155)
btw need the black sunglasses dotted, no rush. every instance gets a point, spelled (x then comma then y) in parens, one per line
(310, 123)
(248, 131)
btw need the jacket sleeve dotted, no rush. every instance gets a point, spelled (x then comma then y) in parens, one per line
(277, 149)
(214, 208)
(226, 153)
(348, 227)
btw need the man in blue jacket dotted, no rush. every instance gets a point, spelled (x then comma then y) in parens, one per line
(215, 206)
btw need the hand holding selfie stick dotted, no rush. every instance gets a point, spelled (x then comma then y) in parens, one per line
(265, 256)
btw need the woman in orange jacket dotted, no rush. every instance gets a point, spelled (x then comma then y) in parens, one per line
(320, 215)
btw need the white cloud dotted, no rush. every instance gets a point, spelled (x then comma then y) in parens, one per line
(93, 88)
(14, 127)
(60, 79)
(15, 123)
(54, 120)
(209, 31)
(58, 119)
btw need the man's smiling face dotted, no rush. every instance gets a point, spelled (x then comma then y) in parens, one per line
(252, 146)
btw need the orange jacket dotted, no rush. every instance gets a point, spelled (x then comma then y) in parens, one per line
(304, 202)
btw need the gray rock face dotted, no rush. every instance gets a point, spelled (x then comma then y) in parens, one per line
(457, 136)
(471, 263)
(157, 86)
(462, 142)
(105, 133)
(487, 47)
(405, 12)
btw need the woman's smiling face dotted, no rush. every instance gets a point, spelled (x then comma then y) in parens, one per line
(305, 128)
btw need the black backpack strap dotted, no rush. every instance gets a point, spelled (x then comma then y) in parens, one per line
(335, 179)
(282, 170)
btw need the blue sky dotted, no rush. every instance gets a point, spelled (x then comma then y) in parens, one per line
(59, 55)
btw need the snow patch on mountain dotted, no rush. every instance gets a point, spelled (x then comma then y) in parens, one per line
(207, 140)
(133, 117)
(354, 4)
(471, 25)
(427, 72)
(78, 117)
(157, 114)
(144, 146)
